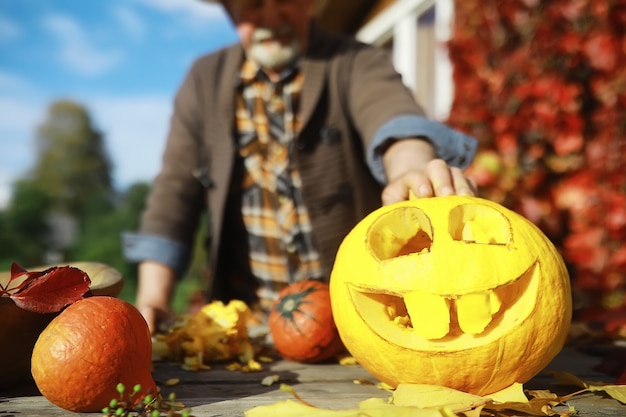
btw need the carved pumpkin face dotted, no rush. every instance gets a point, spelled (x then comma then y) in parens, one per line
(453, 291)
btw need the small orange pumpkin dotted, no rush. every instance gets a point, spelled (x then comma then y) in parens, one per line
(301, 323)
(87, 350)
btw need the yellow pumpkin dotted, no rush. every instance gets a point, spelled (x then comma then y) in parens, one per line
(453, 291)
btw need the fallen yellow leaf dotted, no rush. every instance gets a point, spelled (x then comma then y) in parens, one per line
(362, 381)
(374, 407)
(270, 379)
(427, 396)
(514, 393)
(172, 381)
(617, 392)
(347, 360)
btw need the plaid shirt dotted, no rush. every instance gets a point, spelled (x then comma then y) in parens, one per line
(278, 224)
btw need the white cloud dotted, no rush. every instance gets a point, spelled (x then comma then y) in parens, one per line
(21, 111)
(20, 114)
(197, 13)
(8, 29)
(10, 82)
(134, 130)
(202, 9)
(16, 113)
(78, 51)
(19, 118)
(130, 22)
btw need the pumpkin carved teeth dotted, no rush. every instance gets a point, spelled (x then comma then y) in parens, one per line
(433, 317)
(436, 308)
(473, 312)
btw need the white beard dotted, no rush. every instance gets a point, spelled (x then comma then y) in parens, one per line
(269, 52)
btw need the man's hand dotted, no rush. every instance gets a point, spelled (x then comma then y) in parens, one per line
(154, 294)
(411, 165)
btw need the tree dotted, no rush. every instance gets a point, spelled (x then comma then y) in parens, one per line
(100, 237)
(69, 183)
(72, 165)
(25, 231)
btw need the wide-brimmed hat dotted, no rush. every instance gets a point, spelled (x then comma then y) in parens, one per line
(319, 4)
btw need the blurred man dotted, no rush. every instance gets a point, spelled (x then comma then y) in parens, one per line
(288, 139)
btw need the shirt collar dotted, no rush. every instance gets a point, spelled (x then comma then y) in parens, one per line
(251, 71)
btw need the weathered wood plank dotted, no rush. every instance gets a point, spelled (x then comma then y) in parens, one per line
(220, 392)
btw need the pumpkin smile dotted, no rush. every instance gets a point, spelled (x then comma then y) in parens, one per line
(422, 320)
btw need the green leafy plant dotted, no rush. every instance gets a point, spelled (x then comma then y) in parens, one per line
(148, 406)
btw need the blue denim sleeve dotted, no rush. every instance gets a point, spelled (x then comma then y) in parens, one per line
(454, 147)
(138, 247)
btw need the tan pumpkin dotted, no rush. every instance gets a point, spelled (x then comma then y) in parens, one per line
(453, 291)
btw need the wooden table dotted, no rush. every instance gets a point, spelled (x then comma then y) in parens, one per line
(220, 392)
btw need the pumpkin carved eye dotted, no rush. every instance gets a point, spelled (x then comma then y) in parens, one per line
(476, 223)
(401, 232)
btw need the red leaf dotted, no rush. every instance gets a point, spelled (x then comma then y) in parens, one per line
(568, 142)
(601, 50)
(51, 290)
(618, 258)
(17, 271)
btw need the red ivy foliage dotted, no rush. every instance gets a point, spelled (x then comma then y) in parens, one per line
(46, 291)
(542, 85)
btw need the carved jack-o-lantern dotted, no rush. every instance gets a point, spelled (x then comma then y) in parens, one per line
(453, 291)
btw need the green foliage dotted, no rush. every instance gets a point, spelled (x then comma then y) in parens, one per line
(23, 228)
(71, 180)
(129, 405)
(99, 239)
(72, 163)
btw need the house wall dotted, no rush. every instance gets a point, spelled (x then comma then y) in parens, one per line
(417, 32)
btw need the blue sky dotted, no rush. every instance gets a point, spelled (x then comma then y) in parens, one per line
(122, 59)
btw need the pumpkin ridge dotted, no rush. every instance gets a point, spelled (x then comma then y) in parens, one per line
(496, 366)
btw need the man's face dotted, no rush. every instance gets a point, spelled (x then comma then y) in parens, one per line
(273, 32)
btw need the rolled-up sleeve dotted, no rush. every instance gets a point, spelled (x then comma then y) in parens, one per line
(140, 247)
(453, 146)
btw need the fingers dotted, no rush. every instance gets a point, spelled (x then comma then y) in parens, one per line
(441, 177)
(437, 179)
(398, 190)
(157, 319)
(149, 315)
